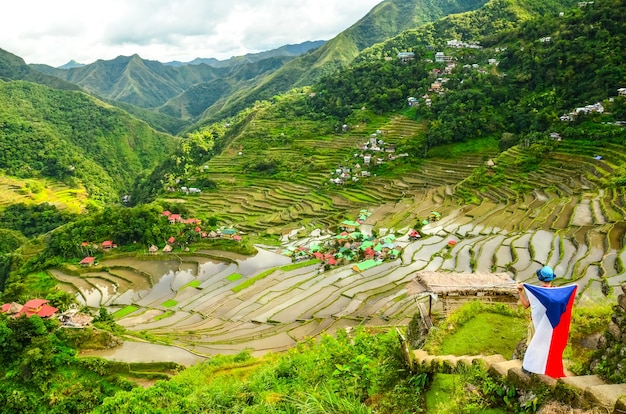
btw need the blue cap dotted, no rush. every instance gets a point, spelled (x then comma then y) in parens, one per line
(545, 274)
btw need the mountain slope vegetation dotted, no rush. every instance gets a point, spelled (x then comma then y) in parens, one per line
(386, 19)
(14, 68)
(72, 137)
(230, 86)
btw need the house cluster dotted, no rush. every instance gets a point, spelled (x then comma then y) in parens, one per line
(373, 152)
(37, 307)
(597, 107)
(463, 45)
(40, 307)
(90, 249)
(437, 86)
(350, 246)
(178, 219)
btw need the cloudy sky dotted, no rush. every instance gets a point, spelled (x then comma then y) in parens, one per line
(56, 31)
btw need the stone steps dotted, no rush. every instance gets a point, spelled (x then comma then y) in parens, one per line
(585, 391)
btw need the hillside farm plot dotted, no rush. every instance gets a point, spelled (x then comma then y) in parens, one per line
(254, 303)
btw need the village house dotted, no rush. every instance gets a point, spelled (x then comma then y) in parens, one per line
(87, 261)
(108, 244)
(228, 233)
(37, 307)
(621, 92)
(447, 291)
(75, 319)
(406, 56)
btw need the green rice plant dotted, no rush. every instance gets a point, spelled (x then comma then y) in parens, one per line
(169, 303)
(164, 315)
(234, 277)
(193, 283)
(478, 327)
(124, 311)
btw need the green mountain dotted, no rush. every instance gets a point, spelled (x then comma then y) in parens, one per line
(204, 92)
(133, 80)
(73, 138)
(505, 142)
(283, 51)
(385, 20)
(14, 68)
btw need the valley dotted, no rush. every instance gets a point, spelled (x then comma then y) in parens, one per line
(190, 299)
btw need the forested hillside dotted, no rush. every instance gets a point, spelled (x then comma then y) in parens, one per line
(203, 93)
(73, 138)
(14, 68)
(387, 19)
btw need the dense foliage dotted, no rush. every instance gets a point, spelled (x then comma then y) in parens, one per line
(542, 68)
(348, 373)
(39, 373)
(33, 220)
(72, 137)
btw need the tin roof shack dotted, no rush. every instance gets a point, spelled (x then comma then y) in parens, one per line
(447, 291)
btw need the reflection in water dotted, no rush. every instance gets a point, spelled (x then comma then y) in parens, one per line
(134, 352)
(261, 261)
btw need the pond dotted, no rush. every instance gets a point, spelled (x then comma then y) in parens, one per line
(134, 352)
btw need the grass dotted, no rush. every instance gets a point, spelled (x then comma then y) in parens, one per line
(234, 277)
(169, 303)
(193, 283)
(124, 311)
(487, 145)
(164, 315)
(487, 333)
(479, 328)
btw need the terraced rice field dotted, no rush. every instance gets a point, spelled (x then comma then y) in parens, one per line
(567, 220)
(14, 190)
(191, 302)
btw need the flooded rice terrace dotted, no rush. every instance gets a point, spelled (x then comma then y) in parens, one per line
(204, 306)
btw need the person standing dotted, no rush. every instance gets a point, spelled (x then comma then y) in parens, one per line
(545, 275)
(551, 311)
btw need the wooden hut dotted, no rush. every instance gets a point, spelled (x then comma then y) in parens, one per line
(447, 291)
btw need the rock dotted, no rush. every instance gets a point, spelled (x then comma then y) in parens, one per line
(614, 330)
(591, 341)
(624, 287)
(621, 300)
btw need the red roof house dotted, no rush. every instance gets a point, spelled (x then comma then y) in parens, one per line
(87, 261)
(166, 213)
(38, 307)
(107, 244)
(11, 308)
(171, 239)
(173, 218)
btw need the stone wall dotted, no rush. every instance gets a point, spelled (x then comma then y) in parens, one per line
(610, 359)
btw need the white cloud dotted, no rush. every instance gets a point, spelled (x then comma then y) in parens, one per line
(53, 32)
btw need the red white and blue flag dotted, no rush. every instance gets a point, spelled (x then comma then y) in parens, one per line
(551, 309)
